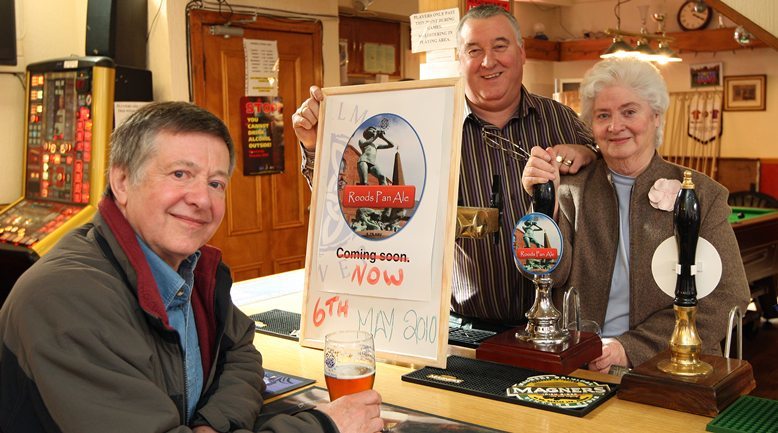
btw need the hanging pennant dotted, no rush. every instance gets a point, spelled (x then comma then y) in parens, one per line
(705, 116)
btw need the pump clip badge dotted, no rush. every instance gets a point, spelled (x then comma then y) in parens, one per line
(537, 244)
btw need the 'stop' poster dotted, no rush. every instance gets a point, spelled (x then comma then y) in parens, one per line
(262, 131)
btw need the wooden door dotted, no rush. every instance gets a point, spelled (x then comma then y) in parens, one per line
(266, 223)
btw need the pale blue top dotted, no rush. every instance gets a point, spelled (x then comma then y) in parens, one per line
(617, 314)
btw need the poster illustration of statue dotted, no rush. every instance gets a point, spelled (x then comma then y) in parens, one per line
(381, 177)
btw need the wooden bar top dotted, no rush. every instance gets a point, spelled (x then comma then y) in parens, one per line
(614, 415)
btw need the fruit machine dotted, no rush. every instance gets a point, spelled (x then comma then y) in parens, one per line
(69, 118)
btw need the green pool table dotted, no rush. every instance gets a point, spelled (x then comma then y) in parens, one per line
(746, 214)
(756, 231)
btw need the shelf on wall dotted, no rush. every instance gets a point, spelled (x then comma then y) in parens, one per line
(710, 40)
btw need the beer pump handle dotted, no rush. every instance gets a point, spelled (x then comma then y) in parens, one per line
(543, 198)
(686, 219)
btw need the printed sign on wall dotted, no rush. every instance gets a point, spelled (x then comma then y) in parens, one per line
(262, 130)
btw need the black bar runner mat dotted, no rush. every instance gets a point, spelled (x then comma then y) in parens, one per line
(563, 394)
(278, 323)
(468, 337)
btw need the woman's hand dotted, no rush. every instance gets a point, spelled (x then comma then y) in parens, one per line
(573, 157)
(612, 354)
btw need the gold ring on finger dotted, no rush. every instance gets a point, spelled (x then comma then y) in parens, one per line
(568, 162)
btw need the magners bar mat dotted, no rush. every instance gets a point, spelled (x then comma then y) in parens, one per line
(563, 394)
(278, 323)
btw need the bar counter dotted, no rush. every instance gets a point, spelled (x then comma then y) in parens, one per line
(614, 415)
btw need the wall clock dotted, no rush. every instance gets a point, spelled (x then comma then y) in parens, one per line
(690, 18)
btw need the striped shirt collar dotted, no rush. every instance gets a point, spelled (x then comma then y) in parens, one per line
(528, 103)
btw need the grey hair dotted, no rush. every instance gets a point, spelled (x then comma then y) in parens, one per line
(134, 141)
(487, 11)
(640, 76)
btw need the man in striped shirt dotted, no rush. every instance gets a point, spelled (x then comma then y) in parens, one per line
(503, 121)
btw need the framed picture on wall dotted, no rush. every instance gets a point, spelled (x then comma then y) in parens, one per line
(745, 92)
(705, 75)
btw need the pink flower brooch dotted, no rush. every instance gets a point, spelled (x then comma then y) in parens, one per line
(662, 195)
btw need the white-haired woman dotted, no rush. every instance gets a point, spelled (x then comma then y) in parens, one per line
(615, 213)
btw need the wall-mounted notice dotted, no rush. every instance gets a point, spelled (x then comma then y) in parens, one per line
(378, 58)
(261, 63)
(381, 238)
(122, 110)
(434, 30)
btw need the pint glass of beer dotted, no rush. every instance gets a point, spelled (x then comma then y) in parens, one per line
(349, 362)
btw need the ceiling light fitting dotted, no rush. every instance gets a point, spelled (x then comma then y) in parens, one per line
(642, 51)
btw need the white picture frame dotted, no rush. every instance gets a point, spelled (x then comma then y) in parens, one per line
(386, 270)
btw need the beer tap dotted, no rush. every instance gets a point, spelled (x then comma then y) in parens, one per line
(543, 318)
(686, 215)
(685, 343)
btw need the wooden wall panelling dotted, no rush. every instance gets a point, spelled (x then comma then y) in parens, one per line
(738, 174)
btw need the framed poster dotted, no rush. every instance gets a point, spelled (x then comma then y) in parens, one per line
(383, 216)
(745, 92)
(506, 4)
(705, 75)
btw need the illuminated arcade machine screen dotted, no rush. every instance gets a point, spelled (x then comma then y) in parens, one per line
(58, 157)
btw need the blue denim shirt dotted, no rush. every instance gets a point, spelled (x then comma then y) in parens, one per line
(175, 288)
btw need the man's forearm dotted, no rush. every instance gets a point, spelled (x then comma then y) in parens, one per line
(307, 164)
